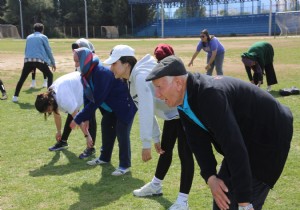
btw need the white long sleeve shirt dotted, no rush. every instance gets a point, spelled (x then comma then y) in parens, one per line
(148, 106)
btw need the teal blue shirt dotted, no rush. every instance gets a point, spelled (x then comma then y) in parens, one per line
(185, 107)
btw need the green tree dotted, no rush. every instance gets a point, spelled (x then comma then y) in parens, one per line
(192, 9)
(32, 11)
(2, 10)
(58, 15)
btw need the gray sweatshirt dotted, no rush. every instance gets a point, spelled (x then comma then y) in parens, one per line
(148, 106)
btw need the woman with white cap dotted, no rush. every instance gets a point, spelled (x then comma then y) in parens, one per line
(124, 65)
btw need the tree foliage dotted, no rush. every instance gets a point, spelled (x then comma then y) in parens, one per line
(2, 10)
(192, 9)
(56, 14)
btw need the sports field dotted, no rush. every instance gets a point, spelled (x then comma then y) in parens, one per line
(31, 177)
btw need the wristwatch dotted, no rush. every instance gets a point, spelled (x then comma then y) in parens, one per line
(248, 207)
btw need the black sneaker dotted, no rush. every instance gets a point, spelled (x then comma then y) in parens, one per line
(87, 153)
(59, 146)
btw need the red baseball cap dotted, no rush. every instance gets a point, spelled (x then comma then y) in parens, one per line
(162, 51)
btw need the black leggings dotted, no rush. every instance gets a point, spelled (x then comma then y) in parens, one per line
(33, 73)
(2, 88)
(92, 128)
(27, 69)
(171, 131)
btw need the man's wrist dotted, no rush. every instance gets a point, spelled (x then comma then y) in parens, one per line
(248, 207)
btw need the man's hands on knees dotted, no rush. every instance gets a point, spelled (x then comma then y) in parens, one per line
(219, 190)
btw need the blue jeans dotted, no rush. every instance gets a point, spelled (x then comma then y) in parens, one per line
(218, 62)
(111, 128)
(259, 195)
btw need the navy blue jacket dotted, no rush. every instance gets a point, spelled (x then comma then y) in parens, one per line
(249, 127)
(113, 92)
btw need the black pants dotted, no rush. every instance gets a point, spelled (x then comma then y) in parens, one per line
(27, 69)
(33, 74)
(171, 131)
(270, 74)
(67, 130)
(2, 88)
(260, 190)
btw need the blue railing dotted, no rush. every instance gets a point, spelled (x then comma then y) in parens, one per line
(220, 26)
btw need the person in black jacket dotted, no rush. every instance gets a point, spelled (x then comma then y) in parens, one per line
(245, 124)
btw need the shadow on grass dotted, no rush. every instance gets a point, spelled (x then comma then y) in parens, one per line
(33, 90)
(74, 165)
(275, 93)
(110, 189)
(25, 105)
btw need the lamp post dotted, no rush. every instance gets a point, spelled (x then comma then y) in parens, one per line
(162, 19)
(86, 22)
(270, 19)
(21, 18)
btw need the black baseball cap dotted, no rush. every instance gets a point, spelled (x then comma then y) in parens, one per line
(169, 66)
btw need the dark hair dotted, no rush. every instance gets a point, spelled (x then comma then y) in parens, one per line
(205, 32)
(39, 27)
(44, 100)
(129, 59)
(75, 46)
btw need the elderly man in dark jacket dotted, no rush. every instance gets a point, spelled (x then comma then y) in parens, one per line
(245, 124)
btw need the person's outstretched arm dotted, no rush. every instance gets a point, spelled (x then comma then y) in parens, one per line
(193, 58)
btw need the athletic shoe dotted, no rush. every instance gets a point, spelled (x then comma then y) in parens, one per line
(4, 96)
(59, 146)
(148, 189)
(33, 84)
(45, 84)
(269, 88)
(96, 161)
(15, 98)
(179, 206)
(87, 153)
(120, 171)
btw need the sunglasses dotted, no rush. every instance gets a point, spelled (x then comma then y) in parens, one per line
(202, 36)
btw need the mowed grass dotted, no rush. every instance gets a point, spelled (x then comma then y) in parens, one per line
(31, 177)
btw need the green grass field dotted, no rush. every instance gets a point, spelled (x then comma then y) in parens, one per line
(31, 177)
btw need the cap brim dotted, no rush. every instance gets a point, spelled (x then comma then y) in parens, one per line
(151, 77)
(111, 60)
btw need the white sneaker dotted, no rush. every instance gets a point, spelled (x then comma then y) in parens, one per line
(269, 88)
(33, 84)
(148, 189)
(45, 84)
(179, 206)
(96, 161)
(120, 171)
(15, 98)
